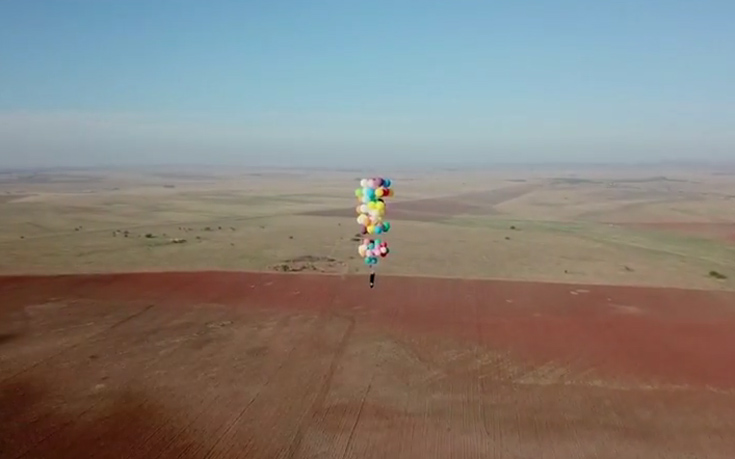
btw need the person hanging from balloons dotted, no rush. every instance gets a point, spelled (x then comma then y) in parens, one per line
(371, 210)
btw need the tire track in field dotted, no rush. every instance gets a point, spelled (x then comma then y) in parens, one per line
(52, 325)
(126, 376)
(150, 449)
(412, 433)
(325, 312)
(176, 444)
(89, 339)
(318, 404)
(361, 407)
(310, 341)
(286, 405)
(266, 381)
(335, 418)
(140, 350)
(473, 401)
(357, 419)
(114, 385)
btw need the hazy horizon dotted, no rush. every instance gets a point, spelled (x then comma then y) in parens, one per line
(342, 85)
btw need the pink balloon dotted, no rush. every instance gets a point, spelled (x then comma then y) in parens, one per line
(378, 182)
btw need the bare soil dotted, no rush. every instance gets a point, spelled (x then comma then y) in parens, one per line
(196, 365)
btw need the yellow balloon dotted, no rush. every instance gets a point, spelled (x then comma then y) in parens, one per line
(370, 229)
(359, 211)
(381, 205)
(379, 192)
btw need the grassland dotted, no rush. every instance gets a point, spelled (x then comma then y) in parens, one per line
(554, 225)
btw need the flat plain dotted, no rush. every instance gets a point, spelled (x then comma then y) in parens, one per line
(537, 312)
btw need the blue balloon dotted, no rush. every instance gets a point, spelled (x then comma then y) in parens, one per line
(367, 261)
(386, 183)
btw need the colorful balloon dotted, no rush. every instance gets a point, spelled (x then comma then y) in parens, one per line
(371, 209)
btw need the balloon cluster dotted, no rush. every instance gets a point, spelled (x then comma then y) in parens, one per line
(372, 249)
(371, 207)
(370, 212)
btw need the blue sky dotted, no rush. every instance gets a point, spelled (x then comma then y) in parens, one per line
(99, 82)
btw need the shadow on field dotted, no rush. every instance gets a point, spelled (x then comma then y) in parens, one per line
(14, 324)
(8, 337)
(32, 426)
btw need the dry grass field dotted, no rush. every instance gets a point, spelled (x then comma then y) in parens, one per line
(612, 227)
(523, 313)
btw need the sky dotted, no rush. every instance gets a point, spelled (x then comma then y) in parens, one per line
(348, 83)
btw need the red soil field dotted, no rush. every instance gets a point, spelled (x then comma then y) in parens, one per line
(197, 365)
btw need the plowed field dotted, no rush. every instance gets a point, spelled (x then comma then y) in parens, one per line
(219, 365)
